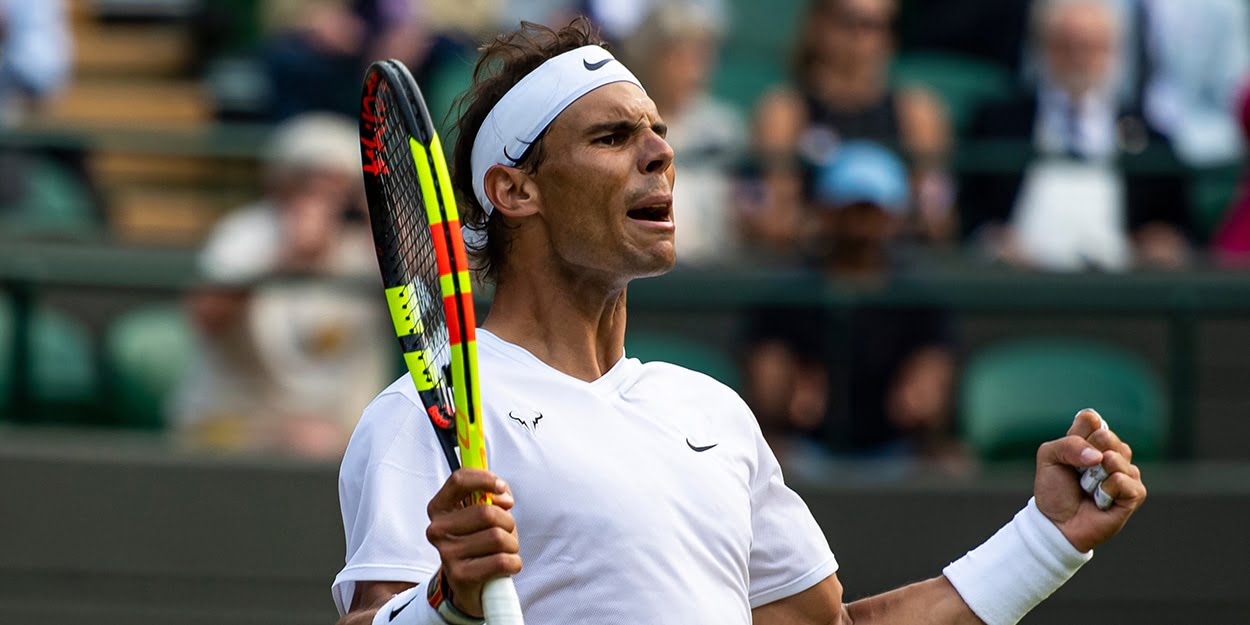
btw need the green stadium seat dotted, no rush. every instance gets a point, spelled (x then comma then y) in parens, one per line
(649, 346)
(146, 353)
(63, 380)
(1019, 394)
(56, 204)
(447, 82)
(1211, 192)
(741, 80)
(963, 83)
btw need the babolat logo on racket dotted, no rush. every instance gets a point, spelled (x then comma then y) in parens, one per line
(374, 122)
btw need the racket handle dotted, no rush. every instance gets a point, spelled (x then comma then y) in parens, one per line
(500, 603)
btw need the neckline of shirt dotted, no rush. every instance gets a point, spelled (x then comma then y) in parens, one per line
(613, 380)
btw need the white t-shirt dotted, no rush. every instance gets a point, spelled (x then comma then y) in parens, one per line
(621, 520)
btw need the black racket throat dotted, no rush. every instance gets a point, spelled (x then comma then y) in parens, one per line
(392, 110)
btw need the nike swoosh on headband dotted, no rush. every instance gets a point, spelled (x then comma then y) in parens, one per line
(597, 64)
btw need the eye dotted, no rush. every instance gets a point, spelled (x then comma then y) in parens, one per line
(615, 138)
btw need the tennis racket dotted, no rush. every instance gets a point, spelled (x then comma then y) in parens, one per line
(425, 271)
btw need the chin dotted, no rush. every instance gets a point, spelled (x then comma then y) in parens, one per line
(657, 264)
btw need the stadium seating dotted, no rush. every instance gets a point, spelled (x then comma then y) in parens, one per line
(146, 352)
(653, 345)
(53, 204)
(63, 382)
(1021, 393)
(961, 82)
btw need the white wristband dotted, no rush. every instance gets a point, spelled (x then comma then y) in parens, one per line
(408, 608)
(1018, 567)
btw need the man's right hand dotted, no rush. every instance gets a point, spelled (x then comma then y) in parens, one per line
(476, 543)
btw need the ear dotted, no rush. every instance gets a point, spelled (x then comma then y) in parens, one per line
(512, 191)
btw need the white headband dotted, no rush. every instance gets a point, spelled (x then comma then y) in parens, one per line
(533, 103)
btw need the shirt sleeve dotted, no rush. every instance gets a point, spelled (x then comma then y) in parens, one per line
(789, 553)
(391, 469)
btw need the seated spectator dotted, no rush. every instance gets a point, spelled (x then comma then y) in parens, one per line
(873, 382)
(1093, 194)
(1184, 65)
(842, 92)
(290, 364)
(44, 190)
(674, 53)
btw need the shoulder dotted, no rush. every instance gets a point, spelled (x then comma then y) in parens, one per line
(387, 420)
(687, 386)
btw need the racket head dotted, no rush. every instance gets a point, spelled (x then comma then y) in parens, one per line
(421, 253)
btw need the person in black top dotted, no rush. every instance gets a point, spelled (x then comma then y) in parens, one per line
(867, 381)
(841, 92)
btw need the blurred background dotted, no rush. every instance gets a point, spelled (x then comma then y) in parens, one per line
(916, 236)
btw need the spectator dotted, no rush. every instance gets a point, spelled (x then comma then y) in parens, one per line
(1184, 65)
(288, 365)
(842, 92)
(44, 191)
(674, 53)
(874, 382)
(1096, 192)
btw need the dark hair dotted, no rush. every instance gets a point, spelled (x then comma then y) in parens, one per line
(504, 62)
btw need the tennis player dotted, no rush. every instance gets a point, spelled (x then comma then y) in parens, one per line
(637, 493)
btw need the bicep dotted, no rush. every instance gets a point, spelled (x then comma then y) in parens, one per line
(370, 596)
(819, 605)
(373, 595)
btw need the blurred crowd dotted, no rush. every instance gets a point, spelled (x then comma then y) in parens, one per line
(1083, 159)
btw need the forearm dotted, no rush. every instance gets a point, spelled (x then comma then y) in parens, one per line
(933, 601)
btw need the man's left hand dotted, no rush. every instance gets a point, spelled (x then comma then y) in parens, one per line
(1057, 486)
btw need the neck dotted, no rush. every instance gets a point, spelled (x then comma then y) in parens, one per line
(574, 324)
(847, 86)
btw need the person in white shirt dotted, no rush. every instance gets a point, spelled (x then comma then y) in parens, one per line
(636, 493)
(1092, 193)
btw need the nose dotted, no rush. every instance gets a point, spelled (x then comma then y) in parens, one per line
(656, 155)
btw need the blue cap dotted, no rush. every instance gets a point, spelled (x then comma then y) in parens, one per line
(863, 172)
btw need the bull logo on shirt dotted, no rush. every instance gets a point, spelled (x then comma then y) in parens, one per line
(527, 418)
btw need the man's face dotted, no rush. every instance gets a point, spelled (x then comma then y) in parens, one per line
(605, 188)
(1080, 46)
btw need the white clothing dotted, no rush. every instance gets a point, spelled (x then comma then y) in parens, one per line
(1201, 55)
(621, 520)
(707, 139)
(1070, 216)
(304, 352)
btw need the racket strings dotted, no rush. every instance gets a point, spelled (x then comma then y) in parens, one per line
(409, 244)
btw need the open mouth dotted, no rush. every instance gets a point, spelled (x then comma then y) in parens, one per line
(657, 212)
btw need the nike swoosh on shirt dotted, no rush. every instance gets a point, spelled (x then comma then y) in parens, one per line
(596, 65)
(704, 448)
(395, 612)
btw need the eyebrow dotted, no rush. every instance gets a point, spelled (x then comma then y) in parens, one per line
(623, 125)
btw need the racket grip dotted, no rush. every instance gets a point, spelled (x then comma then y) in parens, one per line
(500, 603)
